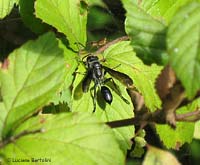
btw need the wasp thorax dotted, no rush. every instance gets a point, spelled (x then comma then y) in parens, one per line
(97, 70)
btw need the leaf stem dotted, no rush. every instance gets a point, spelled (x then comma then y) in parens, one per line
(21, 134)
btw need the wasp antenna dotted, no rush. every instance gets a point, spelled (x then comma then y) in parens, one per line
(116, 66)
(89, 54)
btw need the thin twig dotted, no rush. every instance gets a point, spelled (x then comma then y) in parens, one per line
(155, 117)
(189, 117)
(138, 120)
(100, 50)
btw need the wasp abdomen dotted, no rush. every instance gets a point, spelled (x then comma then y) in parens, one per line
(107, 95)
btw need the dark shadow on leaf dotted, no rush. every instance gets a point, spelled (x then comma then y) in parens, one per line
(78, 92)
(155, 52)
(55, 109)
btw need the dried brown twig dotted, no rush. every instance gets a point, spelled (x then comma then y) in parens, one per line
(189, 117)
(155, 117)
(103, 48)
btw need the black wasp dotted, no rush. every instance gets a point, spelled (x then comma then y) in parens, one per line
(96, 73)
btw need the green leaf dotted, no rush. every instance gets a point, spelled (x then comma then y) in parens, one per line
(64, 94)
(140, 142)
(158, 156)
(98, 18)
(184, 131)
(2, 116)
(67, 16)
(162, 9)
(176, 138)
(183, 40)
(71, 59)
(6, 7)
(71, 138)
(148, 35)
(133, 161)
(118, 109)
(34, 74)
(197, 130)
(143, 76)
(27, 14)
(96, 3)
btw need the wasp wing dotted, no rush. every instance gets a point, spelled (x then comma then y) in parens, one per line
(123, 78)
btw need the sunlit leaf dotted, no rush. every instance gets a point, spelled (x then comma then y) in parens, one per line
(121, 57)
(163, 10)
(64, 94)
(184, 131)
(143, 76)
(2, 116)
(197, 130)
(33, 75)
(65, 139)
(148, 35)
(184, 47)
(118, 109)
(96, 2)
(158, 156)
(6, 7)
(67, 16)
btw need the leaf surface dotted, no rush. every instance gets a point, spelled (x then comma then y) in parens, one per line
(64, 94)
(33, 75)
(183, 40)
(197, 130)
(143, 76)
(6, 7)
(158, 156)
(83, 102)
(67, 16)
(161, 9)
(184, 130)
(148, 35)
(73, 138)
(121, 57)
(27, 13)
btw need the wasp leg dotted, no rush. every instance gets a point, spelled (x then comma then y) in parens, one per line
(81, 73)
(117, 89)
